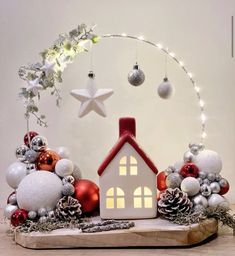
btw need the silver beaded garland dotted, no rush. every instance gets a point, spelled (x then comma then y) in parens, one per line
(32, 215)
(205, 190)
(136, 76)
(42, 212)
(68, 189)
(215, 187)
(173, 180)
(20, 152)
(39, 143)
(31, 156)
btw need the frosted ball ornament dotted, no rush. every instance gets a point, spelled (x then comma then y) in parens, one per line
(190, 185)
(136, 76)
(188, 156)
(215, 187)
(9, 210)
(217, 200)
(41, 189)
(31, 156)
(20, 152)
(205, 190)
(173, 180)
(208, 161)
(39, 143)
(77, 174)
(15, 173)
(64, 167)
(68, 189)
(63, 152)
(32, 215)
(165, 89)
(200, 200)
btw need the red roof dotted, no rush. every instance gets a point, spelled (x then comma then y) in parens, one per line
(127, 135)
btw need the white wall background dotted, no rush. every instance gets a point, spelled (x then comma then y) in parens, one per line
(199, 31)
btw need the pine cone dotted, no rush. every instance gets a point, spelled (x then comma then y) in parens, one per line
(68, 208)
(173, 202)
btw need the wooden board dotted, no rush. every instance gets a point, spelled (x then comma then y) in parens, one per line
(151, 232)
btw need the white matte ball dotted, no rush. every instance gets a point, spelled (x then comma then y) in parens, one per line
(63, 152)
(40, 189)
(15, 173)
(217, 200)
(9, 210)
(165, 89)
(190, 185)
(208, 161)
(64, 167)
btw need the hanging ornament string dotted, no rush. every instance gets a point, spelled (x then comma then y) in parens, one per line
(166, 56)
(181, 65)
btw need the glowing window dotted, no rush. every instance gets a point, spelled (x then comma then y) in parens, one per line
(123, 160)
(128, 164)
(122, 170)
(115, 198)
(143, 197)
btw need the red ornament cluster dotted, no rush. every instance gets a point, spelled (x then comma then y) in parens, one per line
(19, 217)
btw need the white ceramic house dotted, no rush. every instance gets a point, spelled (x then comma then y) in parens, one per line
(127, 179)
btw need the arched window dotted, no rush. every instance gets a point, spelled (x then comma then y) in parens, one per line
(115, 198)
(128, 164)
(143, 197)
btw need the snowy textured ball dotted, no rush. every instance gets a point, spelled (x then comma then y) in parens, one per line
(173, 180)
(208, 161)
(15, 173)
(63, 152)
(165, 89)
(190, 185)
(68, 189)
(64, 167)
(9, 209)
(39, 190)
(77, 174)
(217, 200)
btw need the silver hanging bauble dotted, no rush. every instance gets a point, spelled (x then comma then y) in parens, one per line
(188, 156)
(31, 156)
(215, 187)
(39, 143)
(9, 210)
(205, 190)
(211, 176)
(136, 76)
(68, 189)
(202, 175)
(68, 179)
(12, 199)
(42, 212)
(165, 89)
(32, 215)
(173, 180)
(200, 200)
(20, 152)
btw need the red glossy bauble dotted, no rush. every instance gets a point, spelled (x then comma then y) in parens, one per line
(224, 189)
(47, 160)
(161, 181)
(87, 193)
(189, 170)
(28, 136)
(18, 217)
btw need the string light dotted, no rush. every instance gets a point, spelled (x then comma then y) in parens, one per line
(181, 64)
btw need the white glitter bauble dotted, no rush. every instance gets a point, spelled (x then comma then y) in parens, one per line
(64, 167)
(173, 180)
(208, 161)
(9, 209)
(15, 173)
(41, 189)
(190, 185)
(77, 174)
(63, 152)
(165, 89)
(217, 200)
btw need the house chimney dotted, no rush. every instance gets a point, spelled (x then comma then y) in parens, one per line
(127, 125)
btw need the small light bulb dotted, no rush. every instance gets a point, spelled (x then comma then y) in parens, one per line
(197, 89)
(181, 63)
(140, 38)
(201, 103)
(203, 117)
(190, 75)
(204, 135)
(159, 46)
(172, 54)
(124, 34)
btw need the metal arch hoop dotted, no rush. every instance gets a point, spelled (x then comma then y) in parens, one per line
(181, 65)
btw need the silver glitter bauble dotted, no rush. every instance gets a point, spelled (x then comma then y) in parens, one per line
(39, 143)
(215, 187)
(200, 200)
(211, 176)
(195, 148)
(43, 219)
(77, 174)
(31, 156)
(136, 76)
(173, 180)
(202, 175)
(12, 199)
(68, 189)
(9, 210)
(165, 89)
(200, 180)
(30, 168)
(206, 181)
(68, 179)
(51, 215)
(32, 215)
(188, 157)
(42, 212)
(217, 177)
(223, 183)
(20, 152)
(170, 169)
(199, 208)
(205, 190)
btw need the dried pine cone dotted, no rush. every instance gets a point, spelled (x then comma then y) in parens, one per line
(173, 202)
(68, 208)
